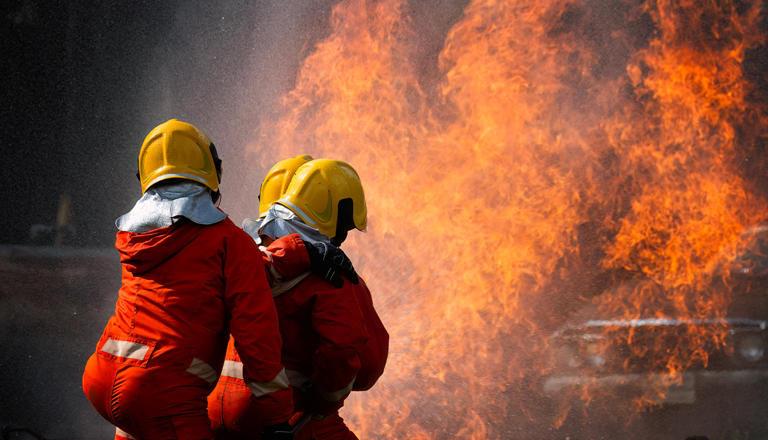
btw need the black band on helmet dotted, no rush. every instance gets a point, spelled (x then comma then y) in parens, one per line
(344, 221)
(216, 161)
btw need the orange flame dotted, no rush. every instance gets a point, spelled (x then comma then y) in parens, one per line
(556, 156)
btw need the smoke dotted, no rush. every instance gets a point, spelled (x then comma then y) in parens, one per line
(54, 304)
(223, 67)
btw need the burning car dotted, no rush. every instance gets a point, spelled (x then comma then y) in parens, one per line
(596, 359)
(669, 377)
(584, 347)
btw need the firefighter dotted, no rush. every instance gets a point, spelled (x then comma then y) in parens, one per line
(190, 277)
(333, 339)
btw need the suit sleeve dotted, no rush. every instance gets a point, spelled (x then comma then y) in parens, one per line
(286, 258)
(376, 350)
(338, 322)
(254, 327)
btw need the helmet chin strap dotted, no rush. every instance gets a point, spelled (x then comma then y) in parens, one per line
(339, 238)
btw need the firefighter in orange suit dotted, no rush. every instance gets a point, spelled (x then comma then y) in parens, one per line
(333, 339)
(190, 277)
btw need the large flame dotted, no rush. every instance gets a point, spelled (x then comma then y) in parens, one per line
(566, 146)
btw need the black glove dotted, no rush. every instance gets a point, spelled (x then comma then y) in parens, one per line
(330, 262)
(279, 431)
(322, 408)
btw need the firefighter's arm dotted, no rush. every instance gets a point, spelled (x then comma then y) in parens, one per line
(338, 322)
(374, 355)
(254, 327)
(289, 256)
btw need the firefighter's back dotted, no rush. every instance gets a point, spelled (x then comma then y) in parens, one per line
(161, 351)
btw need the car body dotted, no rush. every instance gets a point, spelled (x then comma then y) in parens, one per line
(587, 357)
(662, 376)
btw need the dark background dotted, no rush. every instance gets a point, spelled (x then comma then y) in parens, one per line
(84, 82)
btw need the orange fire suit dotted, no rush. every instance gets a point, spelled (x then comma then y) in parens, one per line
(185, 288)
(333, 343)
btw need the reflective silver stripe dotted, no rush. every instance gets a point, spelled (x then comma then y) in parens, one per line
(125, 349)
(281, 287)
(235, 369)
(307, 219)
(335, 396)
(232, 369)
(121, 433)
(184, 175)
(296, 378)
(280, 382)
(202, 370)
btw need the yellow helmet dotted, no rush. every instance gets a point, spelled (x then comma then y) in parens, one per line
(177, 150)
(327, 194)
(277, 180)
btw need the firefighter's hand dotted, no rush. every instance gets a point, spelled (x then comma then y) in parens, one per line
(330, 262)
(321, 406)
(279, 431)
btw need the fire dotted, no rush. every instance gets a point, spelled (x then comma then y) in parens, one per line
(557, 155)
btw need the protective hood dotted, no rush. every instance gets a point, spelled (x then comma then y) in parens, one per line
(280, 221)
(140, 252)
(164, 204)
